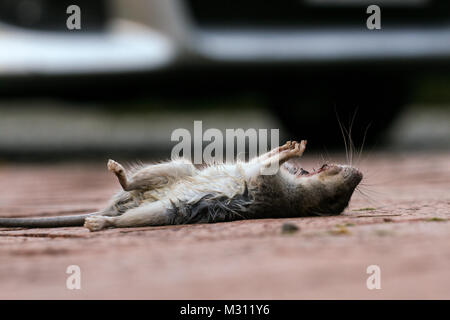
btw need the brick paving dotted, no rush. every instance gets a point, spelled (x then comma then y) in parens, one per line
(399, 222)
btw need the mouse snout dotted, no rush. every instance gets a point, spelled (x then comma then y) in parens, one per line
(352, 174)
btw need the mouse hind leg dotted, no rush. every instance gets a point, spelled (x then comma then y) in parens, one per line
(120, 173)
(150, 214)
(152, 176)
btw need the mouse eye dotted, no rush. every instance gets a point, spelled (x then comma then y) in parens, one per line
(302, 171)
(323, 167)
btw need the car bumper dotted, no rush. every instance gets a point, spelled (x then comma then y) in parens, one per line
(322, 46)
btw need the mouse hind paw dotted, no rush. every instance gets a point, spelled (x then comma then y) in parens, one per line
(115, 167)
(97, 223)
(120, 173)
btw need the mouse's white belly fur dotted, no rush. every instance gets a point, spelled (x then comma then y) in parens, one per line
(227, 180)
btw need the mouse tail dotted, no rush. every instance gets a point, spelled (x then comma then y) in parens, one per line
(46, 222)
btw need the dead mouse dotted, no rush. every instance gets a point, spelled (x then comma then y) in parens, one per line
(176, 192)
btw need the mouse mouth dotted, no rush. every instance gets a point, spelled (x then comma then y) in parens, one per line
(304, 173)
(298, 171)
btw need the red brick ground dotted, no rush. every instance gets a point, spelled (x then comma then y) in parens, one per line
(407, 235)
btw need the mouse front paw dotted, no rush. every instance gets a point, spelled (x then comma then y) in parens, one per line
(293, 149)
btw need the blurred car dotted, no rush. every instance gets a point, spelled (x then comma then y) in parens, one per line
(309, 59)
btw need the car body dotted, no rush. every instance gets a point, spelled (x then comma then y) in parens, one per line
(308, 58)
(137, 35)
